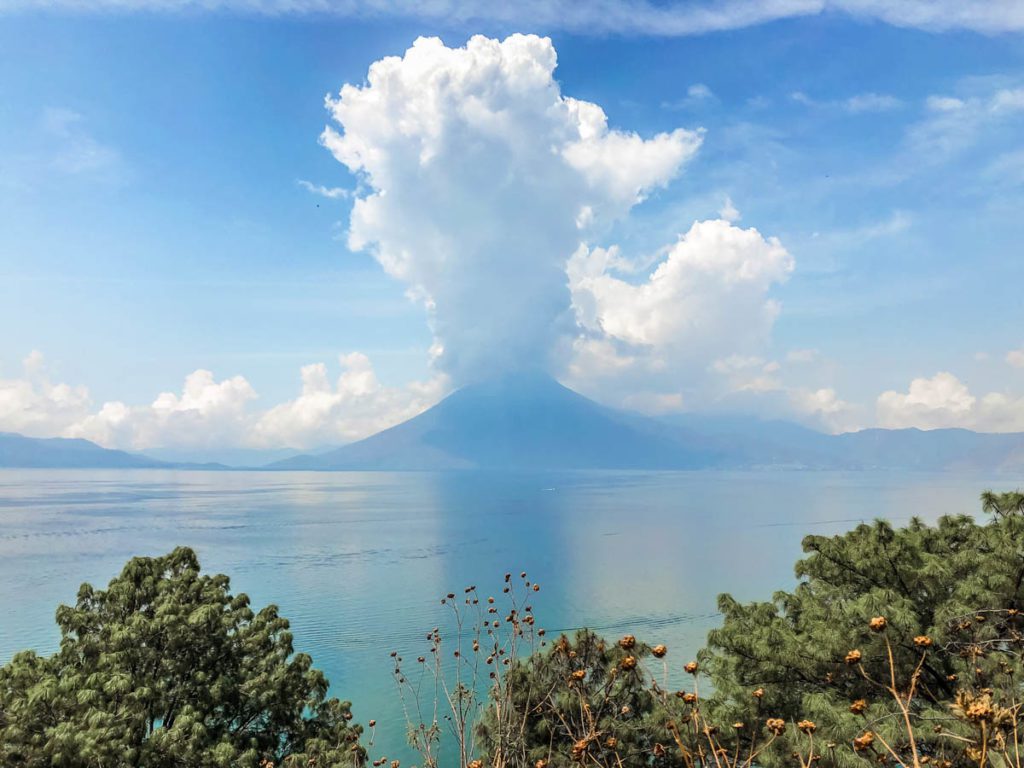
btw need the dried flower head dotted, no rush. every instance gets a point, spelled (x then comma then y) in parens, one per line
(691, 667)
(629, 662)
(863, 742)
(690, 698)
(859, 706)
(738, 726)
(627, 643)
(775, 725)
(611, 742)
(853, 657)
(579, 748)
(758, 693)
(579, 674)
(807, 726)
(659, 651)
(878, 624)
(923, 641)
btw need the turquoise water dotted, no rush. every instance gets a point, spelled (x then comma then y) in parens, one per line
(357, 561)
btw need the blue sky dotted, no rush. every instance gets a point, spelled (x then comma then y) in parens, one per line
(153, 221)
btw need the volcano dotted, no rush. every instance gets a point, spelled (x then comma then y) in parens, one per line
(522, 421)
(531, 422)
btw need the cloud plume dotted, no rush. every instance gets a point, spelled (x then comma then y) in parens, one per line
(483, 179)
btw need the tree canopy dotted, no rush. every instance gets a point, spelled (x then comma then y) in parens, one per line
(167, 668)
(954, 589)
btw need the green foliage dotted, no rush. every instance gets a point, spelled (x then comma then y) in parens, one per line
(955, 587)
(167, 668)
(580, 701)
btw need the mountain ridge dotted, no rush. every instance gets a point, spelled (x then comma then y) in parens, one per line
(531, 422)
(499, 424)
(21, 452)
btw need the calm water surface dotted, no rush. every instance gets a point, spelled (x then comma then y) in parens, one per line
(357, 561)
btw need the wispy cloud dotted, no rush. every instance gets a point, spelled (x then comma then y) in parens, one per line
(602, 17)
(856, 104)
(332, 193)
(696, 95)
(954, 123)
(76, 151)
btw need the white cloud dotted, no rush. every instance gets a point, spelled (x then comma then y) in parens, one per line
(954, 124)
(871, 102)
(729, 212)
(208, 413)
(802, 355)
(944, 103)
(356, 406)
(73, 149)
(682, 17)
(824, 408)
(32, 405)
(700, 311)
(707, 294)
(483, 178)
(945, 401)
(331, 193)
(856, 104)
(696, 94)
(1015, 357)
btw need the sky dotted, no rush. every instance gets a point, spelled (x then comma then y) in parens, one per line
(291, 223)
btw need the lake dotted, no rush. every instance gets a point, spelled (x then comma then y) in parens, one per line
(358, 561)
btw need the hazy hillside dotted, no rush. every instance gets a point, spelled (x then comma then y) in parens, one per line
(18, 451)
(520, 422)
(526, 422)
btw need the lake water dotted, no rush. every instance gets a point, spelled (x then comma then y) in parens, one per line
(357, 561)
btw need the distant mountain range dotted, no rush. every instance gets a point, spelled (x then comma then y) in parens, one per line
(528, 422)
(533, 422)
(18, 451)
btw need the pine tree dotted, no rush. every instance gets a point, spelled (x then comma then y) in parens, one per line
(955, 587)
(167, 668)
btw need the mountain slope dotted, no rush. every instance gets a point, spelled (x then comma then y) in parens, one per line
(18, 451)
(519, 422)
(532, 422)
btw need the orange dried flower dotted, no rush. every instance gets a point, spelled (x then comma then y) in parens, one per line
(579, 674)
(807, 726)
(922, 641)
(689, 698)
(611, 742)
(659, 651)
(859, 707)
(853, 657)
(864, 741)
(878, 624)
(757, 694)
(627, 643)
(629, 662)
(775, 725)
(691, 667)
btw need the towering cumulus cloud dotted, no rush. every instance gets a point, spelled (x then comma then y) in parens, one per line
(481, 180)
